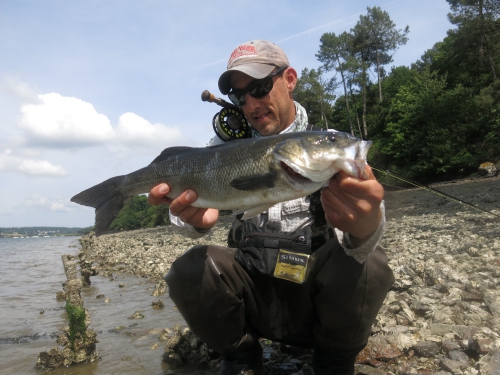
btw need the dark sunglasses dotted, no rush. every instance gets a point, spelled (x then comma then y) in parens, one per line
(257, 89)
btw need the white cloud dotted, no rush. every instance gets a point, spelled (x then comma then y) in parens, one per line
(61, 121)
(60, 207)
(136, 132)
(36, 201)
(346, 21)
(52, 204)
(19, 90)
(31, 167)
(67, 122)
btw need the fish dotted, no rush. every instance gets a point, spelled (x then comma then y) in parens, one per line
(247, 175)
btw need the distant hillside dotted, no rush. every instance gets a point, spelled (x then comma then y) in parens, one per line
(42, 231)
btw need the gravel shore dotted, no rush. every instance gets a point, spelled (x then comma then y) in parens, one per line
(441, 317)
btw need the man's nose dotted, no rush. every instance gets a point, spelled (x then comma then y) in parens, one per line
(251, 103)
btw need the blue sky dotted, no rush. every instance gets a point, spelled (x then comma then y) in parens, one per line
(94, 89)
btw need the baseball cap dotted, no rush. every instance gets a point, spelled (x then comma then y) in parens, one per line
(256, 58)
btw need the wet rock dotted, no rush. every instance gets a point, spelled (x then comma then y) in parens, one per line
(492, 301)
(184, 347)
(455, 367)
(136, 315)
(86, 269)
(426, 349)
(382, 348)
(164, 334)
(160, 288)
(487, 168)
(421, 309)
(473, 252)
(60, 296)
(158, 304)
(472, 296)
(448, 346)
(490, 364)
(368, 370)
(458, 355)
(461, 331)
(52, 359)
(483, 346)
(285, 368)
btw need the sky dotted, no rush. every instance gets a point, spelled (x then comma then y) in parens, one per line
(91, 89)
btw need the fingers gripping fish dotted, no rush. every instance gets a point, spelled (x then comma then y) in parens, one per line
(247, 175)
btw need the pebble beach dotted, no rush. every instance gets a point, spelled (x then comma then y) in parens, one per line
(442, 315)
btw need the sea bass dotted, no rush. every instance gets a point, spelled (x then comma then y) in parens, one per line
(247, 175)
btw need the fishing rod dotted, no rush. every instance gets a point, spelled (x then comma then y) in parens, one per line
(397, 176)
(230, 123)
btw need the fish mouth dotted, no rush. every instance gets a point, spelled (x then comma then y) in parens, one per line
(293, 175)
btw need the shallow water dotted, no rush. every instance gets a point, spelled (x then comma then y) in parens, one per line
(32, 274)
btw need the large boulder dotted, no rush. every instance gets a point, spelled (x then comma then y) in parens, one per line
(488, 168)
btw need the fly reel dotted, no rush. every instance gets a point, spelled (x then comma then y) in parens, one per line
(230, 123)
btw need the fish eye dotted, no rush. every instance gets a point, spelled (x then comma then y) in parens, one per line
(331, 137)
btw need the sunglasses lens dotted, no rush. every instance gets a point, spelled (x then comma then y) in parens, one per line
(261, 88)
(256, 89)
(237, 98)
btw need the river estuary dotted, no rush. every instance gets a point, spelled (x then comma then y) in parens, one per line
(32, 274)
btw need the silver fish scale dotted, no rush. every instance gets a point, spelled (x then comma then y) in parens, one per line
(219, 165)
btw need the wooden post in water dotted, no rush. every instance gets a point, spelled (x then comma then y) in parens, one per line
(78, 341)
(86, 267)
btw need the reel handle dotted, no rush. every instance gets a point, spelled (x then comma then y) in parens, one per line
(207, 96)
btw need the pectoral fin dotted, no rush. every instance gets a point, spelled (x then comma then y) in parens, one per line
(255, 181)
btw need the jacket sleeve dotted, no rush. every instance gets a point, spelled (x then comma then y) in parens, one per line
(362, 252)
(185, 229)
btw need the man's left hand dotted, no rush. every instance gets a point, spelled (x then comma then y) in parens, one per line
(352, 205)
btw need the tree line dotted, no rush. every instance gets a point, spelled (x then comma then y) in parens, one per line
(138, 213)
(435, 120)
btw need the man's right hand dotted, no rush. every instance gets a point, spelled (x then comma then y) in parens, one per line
(202, 218)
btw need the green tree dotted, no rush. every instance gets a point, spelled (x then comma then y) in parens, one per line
(427, 58)
(397, 78)
(480, 18)
(428, 134)
(378, 33)
(315, 94)
(335, 52)
(138, 213)
(361, 62)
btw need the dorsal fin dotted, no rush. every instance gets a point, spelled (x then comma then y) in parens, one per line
(169, 152)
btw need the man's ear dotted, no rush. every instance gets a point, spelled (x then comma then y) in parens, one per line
(290, 76)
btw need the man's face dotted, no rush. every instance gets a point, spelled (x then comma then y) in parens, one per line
(274, 112)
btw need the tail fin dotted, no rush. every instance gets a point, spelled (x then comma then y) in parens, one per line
(107, 200)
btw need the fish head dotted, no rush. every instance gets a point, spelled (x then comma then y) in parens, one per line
(317, 156)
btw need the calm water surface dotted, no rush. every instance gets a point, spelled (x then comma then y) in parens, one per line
(30, 276)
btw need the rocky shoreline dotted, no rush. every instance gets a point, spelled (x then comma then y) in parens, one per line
(441, 317)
